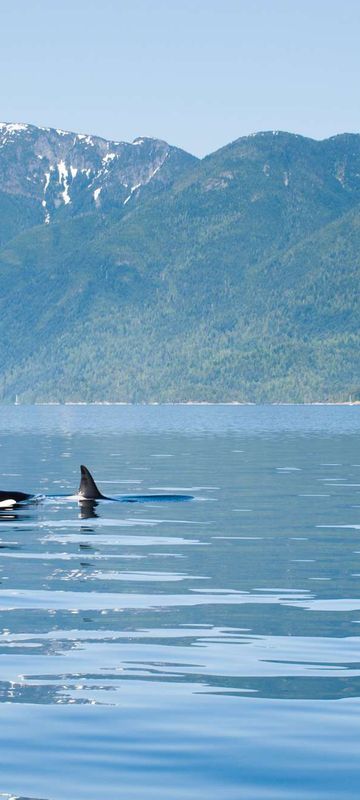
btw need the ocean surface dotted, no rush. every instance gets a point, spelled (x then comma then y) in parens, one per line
(205, 650)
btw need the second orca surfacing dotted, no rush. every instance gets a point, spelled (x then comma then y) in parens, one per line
(88, 493)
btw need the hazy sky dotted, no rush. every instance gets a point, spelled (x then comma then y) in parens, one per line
(198, 73)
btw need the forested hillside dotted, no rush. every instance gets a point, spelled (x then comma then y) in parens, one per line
(231, 278)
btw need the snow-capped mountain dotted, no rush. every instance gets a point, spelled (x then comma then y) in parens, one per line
(55, 170)
(163, 278)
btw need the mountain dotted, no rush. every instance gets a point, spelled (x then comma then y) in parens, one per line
(150, 275)
(45, 173)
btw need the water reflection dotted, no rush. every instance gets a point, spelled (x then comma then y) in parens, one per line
(69, 663)
(88, 509)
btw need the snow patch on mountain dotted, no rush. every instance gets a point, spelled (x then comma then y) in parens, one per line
(109, 157)
(157, 168)
(83, 137)
(63, 180)
(13, 127)
(132, 190)
(148, 179)
(96, 195)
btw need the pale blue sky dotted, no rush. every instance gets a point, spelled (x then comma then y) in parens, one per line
(198, 73)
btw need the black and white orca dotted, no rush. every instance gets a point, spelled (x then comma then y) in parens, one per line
(10, 499)
(88, 492)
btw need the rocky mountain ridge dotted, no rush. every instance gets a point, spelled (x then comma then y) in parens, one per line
(55, 169)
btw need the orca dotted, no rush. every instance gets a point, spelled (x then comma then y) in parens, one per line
(11, 499)
(88, 489)
(88, 493)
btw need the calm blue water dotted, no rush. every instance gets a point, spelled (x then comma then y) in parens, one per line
(204, 650)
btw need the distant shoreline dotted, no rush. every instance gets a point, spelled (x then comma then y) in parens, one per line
(190, 403)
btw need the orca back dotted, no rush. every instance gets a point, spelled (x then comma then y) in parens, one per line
(17, 497)
(88, 489)
(154, 498)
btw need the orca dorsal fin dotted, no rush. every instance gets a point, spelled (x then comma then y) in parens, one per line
(88, 489)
